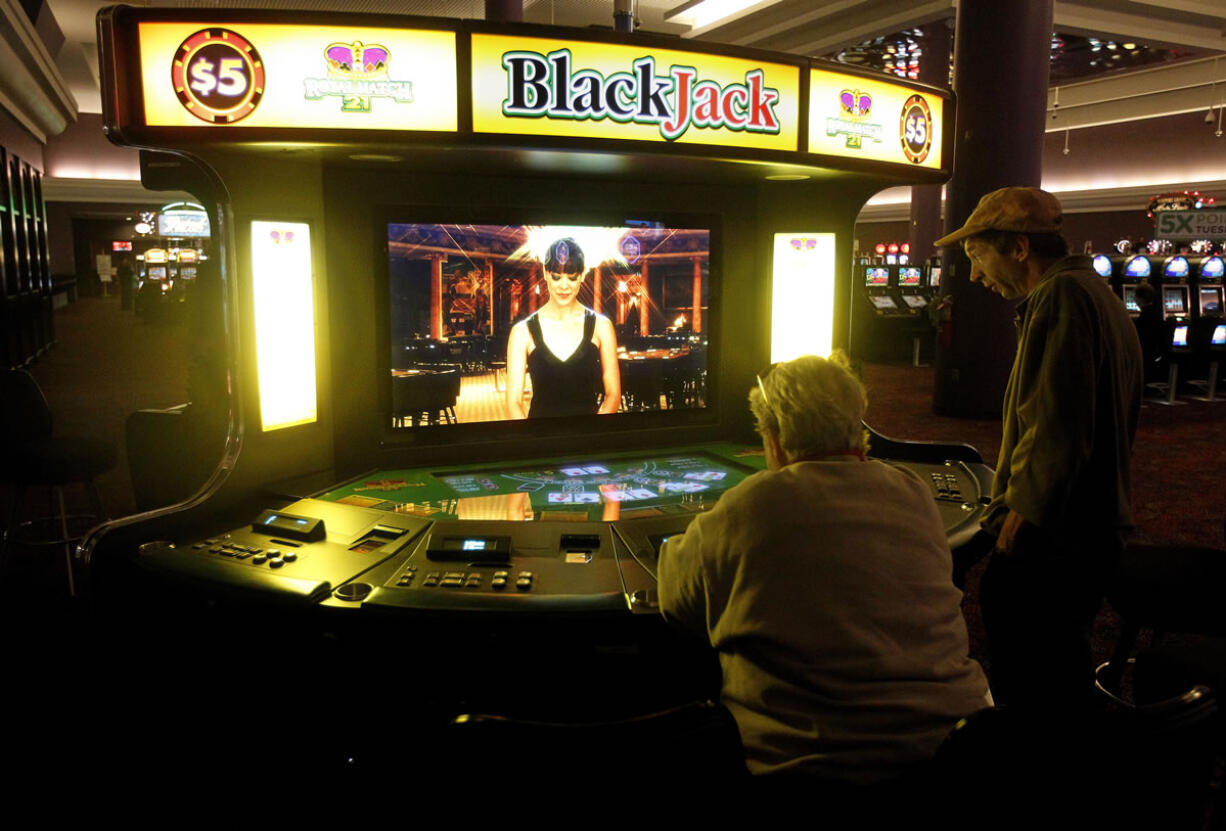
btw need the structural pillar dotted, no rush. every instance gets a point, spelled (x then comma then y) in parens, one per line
(1002, 55)
(696, 318)
(644, 295)
(436, 297)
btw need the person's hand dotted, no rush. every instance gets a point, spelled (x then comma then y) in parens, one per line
(1008, 532)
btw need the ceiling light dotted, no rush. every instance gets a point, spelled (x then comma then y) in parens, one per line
(699, 13)
(1130, 46)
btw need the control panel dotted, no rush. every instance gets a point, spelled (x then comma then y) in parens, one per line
(306, 550)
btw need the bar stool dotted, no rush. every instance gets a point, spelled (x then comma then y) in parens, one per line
(30, 456)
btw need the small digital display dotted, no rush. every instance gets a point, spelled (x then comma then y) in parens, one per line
(910, 276)
(934, 276)
(1174, 300)
(1211, 300)
(1180, 336)
(1213, 267)
(279, 518)
(474, 545)
(1130, 299)
(1102, 264)
(876, 276)
(1219, 335)
(1137, 267)
(1176, 267)
(883, 302)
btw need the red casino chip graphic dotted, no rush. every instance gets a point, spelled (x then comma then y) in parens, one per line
(915, 129)
(218, 76)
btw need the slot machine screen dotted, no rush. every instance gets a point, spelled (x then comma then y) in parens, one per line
(1137, 267)
(1102, 265)
(883, 301)
(934, 276)
(1176, 267)
(910, 276)
(1213, 267)
(1174, 300)
(1130, 299)
(1219, 335)
(157, 272)
(1180, 336)
(455, 293)
(1211, 300)
(876, 276)
(914, 301)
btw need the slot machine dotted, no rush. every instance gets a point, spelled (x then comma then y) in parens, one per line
(1175, 286)
(1103, 266)
(912, 289)
(1134, 270)
(1209, 287)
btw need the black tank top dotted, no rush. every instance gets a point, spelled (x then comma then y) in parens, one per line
(564, 388)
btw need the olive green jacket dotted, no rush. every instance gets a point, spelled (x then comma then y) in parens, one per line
(1070, 413)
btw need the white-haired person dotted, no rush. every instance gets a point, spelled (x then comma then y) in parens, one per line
(824, 583)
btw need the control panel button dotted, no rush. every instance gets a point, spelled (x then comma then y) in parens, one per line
(276, 562)
(260, 559)
(289, 556)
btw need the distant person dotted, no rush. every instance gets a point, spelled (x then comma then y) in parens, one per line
(1151, 331)
(127, 283)
(1060, 510)
(568, 350)
(824, 583)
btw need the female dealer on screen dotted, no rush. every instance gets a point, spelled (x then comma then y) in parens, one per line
(569, 351)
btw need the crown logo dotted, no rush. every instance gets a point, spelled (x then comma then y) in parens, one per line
(855, 103)
(357, 60)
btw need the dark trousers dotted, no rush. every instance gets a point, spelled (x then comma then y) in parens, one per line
(1039, 602)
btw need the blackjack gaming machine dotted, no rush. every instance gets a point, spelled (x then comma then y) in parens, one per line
(385, 192)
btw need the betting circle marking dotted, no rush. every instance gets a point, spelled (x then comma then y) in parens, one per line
(218, 76)
(915, 129)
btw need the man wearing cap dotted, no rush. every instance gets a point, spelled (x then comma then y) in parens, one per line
(1060, 509)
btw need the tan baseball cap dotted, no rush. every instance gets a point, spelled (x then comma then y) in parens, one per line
(1023, 210)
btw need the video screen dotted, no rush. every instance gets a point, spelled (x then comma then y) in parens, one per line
(1211, 301)
(1137, 267)
(1176, 267)
(504, 322)
(1130, 299)
(1174, 300)
(1219, 335)
(914, 301)
(934, 276)
(910, 276)
(1180, 336)
(1213, 267)
(876, 276)
(1102, 265)
(882, 301)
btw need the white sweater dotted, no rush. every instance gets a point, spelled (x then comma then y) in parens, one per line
(826, 589)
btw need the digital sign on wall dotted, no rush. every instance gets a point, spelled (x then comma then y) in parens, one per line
(260, 75)
(864, 118)
(540, 86)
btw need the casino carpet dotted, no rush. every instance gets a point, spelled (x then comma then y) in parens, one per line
(108, 363)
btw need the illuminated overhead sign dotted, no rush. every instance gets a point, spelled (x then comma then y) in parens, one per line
(319, 77)
(225, 73)
(181, 224)
(864, 118)
(538, 86)
(1190, 224)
